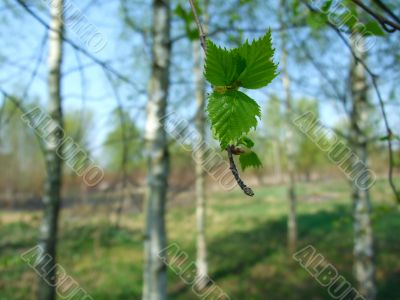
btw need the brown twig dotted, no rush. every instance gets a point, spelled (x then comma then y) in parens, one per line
(387, 10)
(232, 166)
(199, 26)
(381, 19)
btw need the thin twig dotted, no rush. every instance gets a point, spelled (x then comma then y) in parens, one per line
(24, 111)
(199, 26)
(32, 77)
(232, 166)
(381, 19)
(387, 10)
(301, 46)
(125, 149)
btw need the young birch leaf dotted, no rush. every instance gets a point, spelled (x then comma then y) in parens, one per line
(232, 114)
(248, 160)
(372, 28)
(260, 70)
(222, 66)
(246, 141)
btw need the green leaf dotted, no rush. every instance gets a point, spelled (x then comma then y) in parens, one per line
(373, 28)
(249, 66)
(295, 8)
(248, 160)
(222, 66)
(247, 142)
(232, 114)
(349, 19)
(181, 12)
(260, 70)
(384, 138)
(316, 21)
(326, 6)
(390, 137)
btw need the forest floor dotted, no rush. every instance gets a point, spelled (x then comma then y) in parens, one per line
(246, 242)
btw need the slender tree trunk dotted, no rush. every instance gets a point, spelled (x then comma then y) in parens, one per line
(155, 273)
(364, 265)
(52, 187)
(292, 218)
(201, 262)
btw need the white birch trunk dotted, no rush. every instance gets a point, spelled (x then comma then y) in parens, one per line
(364, 265)
(52, 187)
(201, 258)
(292, 218)
(155, 273)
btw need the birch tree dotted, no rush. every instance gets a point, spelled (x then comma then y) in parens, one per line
(155, 274)
(363, 251)
(292, 220)
(201, 258)
(52, 186)
(200, 120)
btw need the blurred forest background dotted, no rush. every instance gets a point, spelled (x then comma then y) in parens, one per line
(106, 72)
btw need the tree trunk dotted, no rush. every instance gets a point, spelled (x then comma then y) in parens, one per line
(292, 215)
(155, 273)
(292, 219)
(52, 187)
(201, 261)
(364, 265)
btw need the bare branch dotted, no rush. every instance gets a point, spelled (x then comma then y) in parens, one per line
(381, 19)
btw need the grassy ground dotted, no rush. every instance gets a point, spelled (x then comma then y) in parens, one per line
(247, 245)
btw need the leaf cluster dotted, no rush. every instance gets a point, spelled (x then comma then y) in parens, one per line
(233, 113)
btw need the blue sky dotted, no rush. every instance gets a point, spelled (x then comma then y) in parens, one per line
(21, 42)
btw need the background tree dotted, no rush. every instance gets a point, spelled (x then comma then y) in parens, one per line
(115, 142)
(272, 133)
(290, 151)
(155, 273)
(52, 188)
(308, 155)
(201, 256)
(364, 254)
(20, 150)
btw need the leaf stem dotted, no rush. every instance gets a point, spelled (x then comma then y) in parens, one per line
(199, 26)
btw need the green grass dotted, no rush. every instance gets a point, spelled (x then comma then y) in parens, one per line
(246, 242)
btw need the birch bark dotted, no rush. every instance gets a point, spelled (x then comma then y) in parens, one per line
(52, 187)
(364, 265)
(155, 273)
